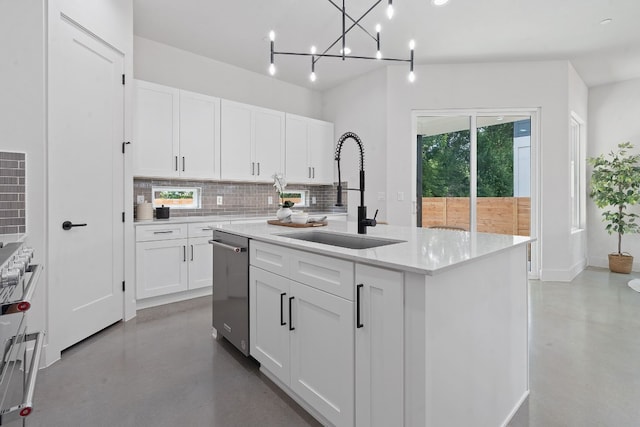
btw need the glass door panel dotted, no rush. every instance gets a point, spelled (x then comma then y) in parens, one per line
(444, 146)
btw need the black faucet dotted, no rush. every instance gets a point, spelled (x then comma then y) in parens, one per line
(363, 221)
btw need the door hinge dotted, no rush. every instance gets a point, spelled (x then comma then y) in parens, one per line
(123, 286)
(122, 216)
(125, 143)
(123, 79)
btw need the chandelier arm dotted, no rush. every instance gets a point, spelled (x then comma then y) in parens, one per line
(316, 56)
(358, 21)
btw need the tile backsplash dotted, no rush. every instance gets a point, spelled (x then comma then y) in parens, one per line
(239, 198)
(12, 193)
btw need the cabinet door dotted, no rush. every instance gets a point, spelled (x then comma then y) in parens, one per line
(321, 151)
(199, 136)
(268, 138)
(235, 141)
(297, 167)
(161, 267)
(269, 321)
(155, 130)
(322, 364)
(379, 347)
(200, 263)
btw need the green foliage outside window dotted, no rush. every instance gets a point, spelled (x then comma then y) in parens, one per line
(445, 163)
(176, 195)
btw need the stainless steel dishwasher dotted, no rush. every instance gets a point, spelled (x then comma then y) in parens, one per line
(231, 288)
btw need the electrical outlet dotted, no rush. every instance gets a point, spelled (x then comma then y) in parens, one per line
(140, 198)
(313, 200)
(270, 200)
(219, 200)
(400, 196)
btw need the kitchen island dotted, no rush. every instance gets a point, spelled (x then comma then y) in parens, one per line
(428, 331)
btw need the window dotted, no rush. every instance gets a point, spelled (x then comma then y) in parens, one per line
(576, 170)
(299, 197)
(176, 197)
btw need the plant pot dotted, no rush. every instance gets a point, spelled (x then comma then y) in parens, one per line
(620, 263)
(283, 214)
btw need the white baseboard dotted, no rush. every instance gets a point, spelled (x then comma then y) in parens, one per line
(515, 409)
(565, 275)
(168, 299)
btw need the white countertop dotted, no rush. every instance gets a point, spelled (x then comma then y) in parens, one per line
(221, 218)
(425, 251)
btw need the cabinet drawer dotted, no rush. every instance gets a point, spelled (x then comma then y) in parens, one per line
(273, 258)
(328, 274)
(148, 233)
(203, 229)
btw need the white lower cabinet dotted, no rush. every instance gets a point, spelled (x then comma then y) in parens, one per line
(379, 339)
(304, 337)
(200, 262)
(161, 267)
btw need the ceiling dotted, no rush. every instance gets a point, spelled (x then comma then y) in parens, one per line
(236, 32)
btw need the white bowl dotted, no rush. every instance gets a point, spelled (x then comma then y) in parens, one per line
(299, 217)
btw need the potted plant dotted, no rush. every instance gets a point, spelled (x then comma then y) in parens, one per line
(615, 183)
(285, 205)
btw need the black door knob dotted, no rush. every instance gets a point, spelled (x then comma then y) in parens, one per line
(67, 225)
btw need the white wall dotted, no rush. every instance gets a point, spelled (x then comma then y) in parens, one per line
(22, 119)
(160, 63)
(360, 106)
(614, 117)
(543, 85)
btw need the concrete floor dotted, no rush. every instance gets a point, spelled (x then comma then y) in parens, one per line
(164, 369)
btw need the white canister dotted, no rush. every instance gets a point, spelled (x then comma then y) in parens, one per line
(144, 211)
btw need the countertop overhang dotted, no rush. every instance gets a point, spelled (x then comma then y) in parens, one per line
(424, 251)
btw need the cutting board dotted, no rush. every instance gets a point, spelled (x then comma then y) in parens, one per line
(291, 224)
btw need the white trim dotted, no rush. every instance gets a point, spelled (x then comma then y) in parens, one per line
(565, 275)
(171, 298)
(515, 409)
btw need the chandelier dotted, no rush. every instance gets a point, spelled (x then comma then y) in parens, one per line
(345, 51)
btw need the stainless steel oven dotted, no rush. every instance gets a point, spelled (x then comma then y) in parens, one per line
(18, 280)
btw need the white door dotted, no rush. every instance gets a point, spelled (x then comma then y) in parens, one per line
(86, 131)
(200, 263)
(268, 138)
(322, 363)
(269, 321)
(156, 130)
(199, 136)
(235, 141)
(296, 159)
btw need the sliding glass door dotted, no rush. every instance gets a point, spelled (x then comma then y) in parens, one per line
(474, 171)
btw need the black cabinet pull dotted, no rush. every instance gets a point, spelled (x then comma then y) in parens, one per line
(184, 253)
(291, 328)
(358, 323)
(67, 225)
(282, 322)
(182, 163)
(191, 252)
(176, 163)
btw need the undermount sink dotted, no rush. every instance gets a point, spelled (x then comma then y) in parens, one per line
(348, 241)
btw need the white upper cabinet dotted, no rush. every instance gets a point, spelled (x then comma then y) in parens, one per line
(309, 150)
(176, 133)
(156, 130)
(252, 140)
(199, 135)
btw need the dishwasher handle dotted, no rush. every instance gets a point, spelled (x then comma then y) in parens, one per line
(235, 249)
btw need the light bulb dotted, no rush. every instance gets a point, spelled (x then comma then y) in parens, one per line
(378, 55)
(412, 44)
(390, 11)
(347, 51)
(272, 69)
(272, 35)
(378, 28)
(412, 77)
(313, 50)
(312, 77)
(440, 2)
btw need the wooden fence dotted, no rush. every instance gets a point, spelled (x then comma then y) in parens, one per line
(502, 215)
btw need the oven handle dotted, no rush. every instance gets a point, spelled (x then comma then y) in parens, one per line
(27, 405)
(24, 303)
(235, 249)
